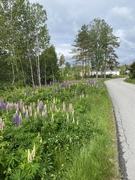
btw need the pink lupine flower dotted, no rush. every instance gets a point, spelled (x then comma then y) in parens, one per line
(64, 106)
(2, 105)
(70, 107)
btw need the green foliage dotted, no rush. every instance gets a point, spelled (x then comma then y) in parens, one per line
(23, 25)
(130, 80)
(132, 70)
(49, 65)
(58, 124)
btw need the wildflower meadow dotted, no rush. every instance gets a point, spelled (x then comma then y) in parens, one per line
(57, 132)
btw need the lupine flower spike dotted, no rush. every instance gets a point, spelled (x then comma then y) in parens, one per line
(1, 125)
(70, 107)
(52, 119)
(63, 106)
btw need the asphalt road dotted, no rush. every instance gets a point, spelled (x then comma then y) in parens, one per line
(123, 98)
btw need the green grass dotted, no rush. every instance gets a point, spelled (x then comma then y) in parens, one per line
(132, 81)
(97, 160)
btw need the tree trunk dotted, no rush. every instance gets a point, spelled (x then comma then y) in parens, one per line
(45, 75)
(13, 72)
(22, 71)
(96, 73)
(38, 62)
(105, 67)
(38, 71)
(31, 69)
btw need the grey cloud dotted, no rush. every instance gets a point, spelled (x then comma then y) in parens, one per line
(65, 18)
(121, 16)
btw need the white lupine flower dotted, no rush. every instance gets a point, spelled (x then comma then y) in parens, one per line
(31, 155)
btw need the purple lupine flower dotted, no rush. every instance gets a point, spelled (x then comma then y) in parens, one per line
(91, 82)
(2, 105)
(63, 84)
(68, 84)
(16, 119)
(51, 83)
(41, 105)
(1, 125)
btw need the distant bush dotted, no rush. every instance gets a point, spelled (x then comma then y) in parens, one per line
(132, 70)
(129, 80)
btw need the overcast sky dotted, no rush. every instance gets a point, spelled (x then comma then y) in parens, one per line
(65, 18)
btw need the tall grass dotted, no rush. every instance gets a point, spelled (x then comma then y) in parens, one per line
(129, 80)
(97, 160)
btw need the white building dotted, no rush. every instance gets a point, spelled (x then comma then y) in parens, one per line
(114, 72)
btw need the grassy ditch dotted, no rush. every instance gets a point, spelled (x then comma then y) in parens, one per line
(97, 160)
(59, 132)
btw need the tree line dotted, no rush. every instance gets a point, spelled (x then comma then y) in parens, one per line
(94, 47)
(26, 56)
